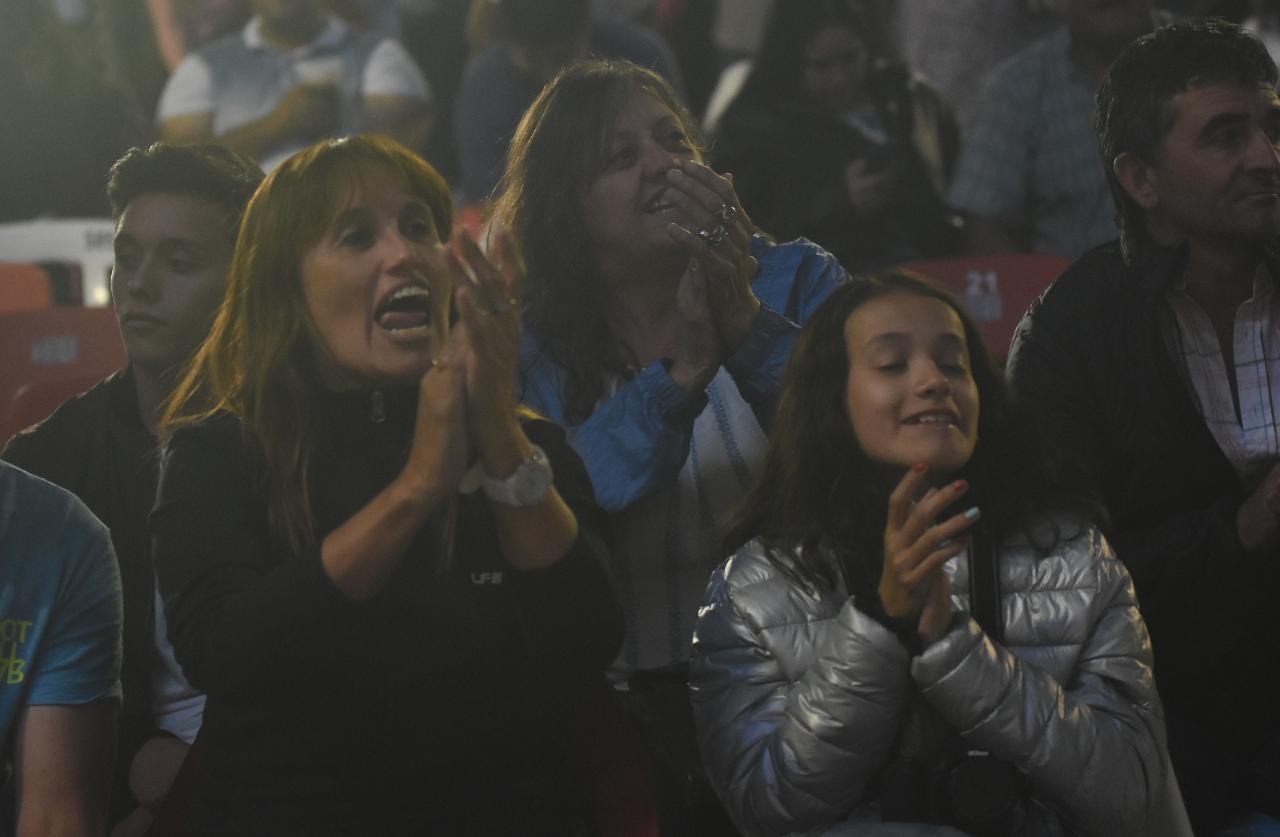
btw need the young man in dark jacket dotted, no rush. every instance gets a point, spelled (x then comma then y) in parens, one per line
(1155, 361)
(177, 211)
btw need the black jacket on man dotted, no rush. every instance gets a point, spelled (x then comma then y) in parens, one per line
(1090, 357)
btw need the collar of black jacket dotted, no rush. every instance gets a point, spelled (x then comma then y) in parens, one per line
(1157, 267)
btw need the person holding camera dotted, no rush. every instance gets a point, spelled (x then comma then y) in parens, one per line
(829, 141)
(914, 634)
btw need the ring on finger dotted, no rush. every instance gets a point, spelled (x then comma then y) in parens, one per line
(714, 236)
(504, 306)
(437, 363)
(727, 213)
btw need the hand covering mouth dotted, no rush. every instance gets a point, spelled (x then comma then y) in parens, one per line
(408, 307)
(658, 203)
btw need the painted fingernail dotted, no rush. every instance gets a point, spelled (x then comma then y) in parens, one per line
(972, 514)
(918, 467)
(959, 485)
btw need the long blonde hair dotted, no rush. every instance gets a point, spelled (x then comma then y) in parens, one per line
(258, 362)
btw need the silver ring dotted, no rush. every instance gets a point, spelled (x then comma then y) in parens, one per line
(727, 213)
(714, 236)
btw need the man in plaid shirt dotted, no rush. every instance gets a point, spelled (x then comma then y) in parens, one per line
(1155, 362)
(1028, 178)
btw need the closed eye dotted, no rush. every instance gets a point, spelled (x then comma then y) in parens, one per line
(1227, 137)
(621, 157)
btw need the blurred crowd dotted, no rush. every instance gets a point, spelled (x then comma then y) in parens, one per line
(540, 418)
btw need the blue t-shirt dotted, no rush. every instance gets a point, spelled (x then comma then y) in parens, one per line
(60, 610)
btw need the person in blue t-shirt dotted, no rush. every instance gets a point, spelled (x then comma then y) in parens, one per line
(60, 652)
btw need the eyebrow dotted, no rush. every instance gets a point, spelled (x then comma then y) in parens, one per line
(128, 239)
(660, 122)
(895, 337)
(347, 216)
(1222, 120)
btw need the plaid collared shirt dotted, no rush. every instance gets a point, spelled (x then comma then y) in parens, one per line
(1251, 441)
(1030, 159)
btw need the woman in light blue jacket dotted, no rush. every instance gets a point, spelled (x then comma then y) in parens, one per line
(658, 324)
(912, 627)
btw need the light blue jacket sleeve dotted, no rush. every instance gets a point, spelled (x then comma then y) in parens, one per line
(637, 439)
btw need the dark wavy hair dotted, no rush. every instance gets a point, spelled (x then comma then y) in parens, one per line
(819, 497)
(209, 172)
(1135, 100)
(558, 150)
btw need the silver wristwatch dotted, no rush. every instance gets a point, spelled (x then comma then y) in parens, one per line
(526, 486)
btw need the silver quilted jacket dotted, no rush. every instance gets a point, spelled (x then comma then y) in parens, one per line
(798, 694)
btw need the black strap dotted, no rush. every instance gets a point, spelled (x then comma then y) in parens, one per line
(984, 584)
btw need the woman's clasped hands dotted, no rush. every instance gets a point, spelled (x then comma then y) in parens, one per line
(913, 583)
(466, 398)
(714, 297)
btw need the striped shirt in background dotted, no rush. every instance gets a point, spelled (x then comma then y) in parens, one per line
(1030, 159)
(667, 543)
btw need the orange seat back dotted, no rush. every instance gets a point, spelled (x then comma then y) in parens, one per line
(24, 287)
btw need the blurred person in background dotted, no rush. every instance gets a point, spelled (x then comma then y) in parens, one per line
(522, 45)
(295, 74)
(64, 123)
(831, 141)
(1028, 178)
(143, 41)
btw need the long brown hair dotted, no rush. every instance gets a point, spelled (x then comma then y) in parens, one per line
(258, 362)
(558, 150)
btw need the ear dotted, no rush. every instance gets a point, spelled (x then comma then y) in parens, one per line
(1138, 179)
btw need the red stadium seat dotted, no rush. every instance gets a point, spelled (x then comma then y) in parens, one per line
(995, 290)
(52, 351)
(24, 287)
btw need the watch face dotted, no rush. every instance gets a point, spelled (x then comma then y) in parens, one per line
(527, 486)
(532, 483)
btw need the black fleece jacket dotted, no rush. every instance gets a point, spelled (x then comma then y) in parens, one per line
(447, 704)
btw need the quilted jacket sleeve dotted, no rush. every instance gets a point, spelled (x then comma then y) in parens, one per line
(790, 750)
(1092, 745)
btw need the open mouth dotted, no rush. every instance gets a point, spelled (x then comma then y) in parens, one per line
(405, 310)
(941, 417)
(658, 203)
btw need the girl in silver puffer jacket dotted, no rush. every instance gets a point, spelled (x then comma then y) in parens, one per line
(839, 679)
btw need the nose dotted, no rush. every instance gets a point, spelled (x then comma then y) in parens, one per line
(658, 160)
(142, 281)
(931, 382)
(400, 252)
(1264, 153)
